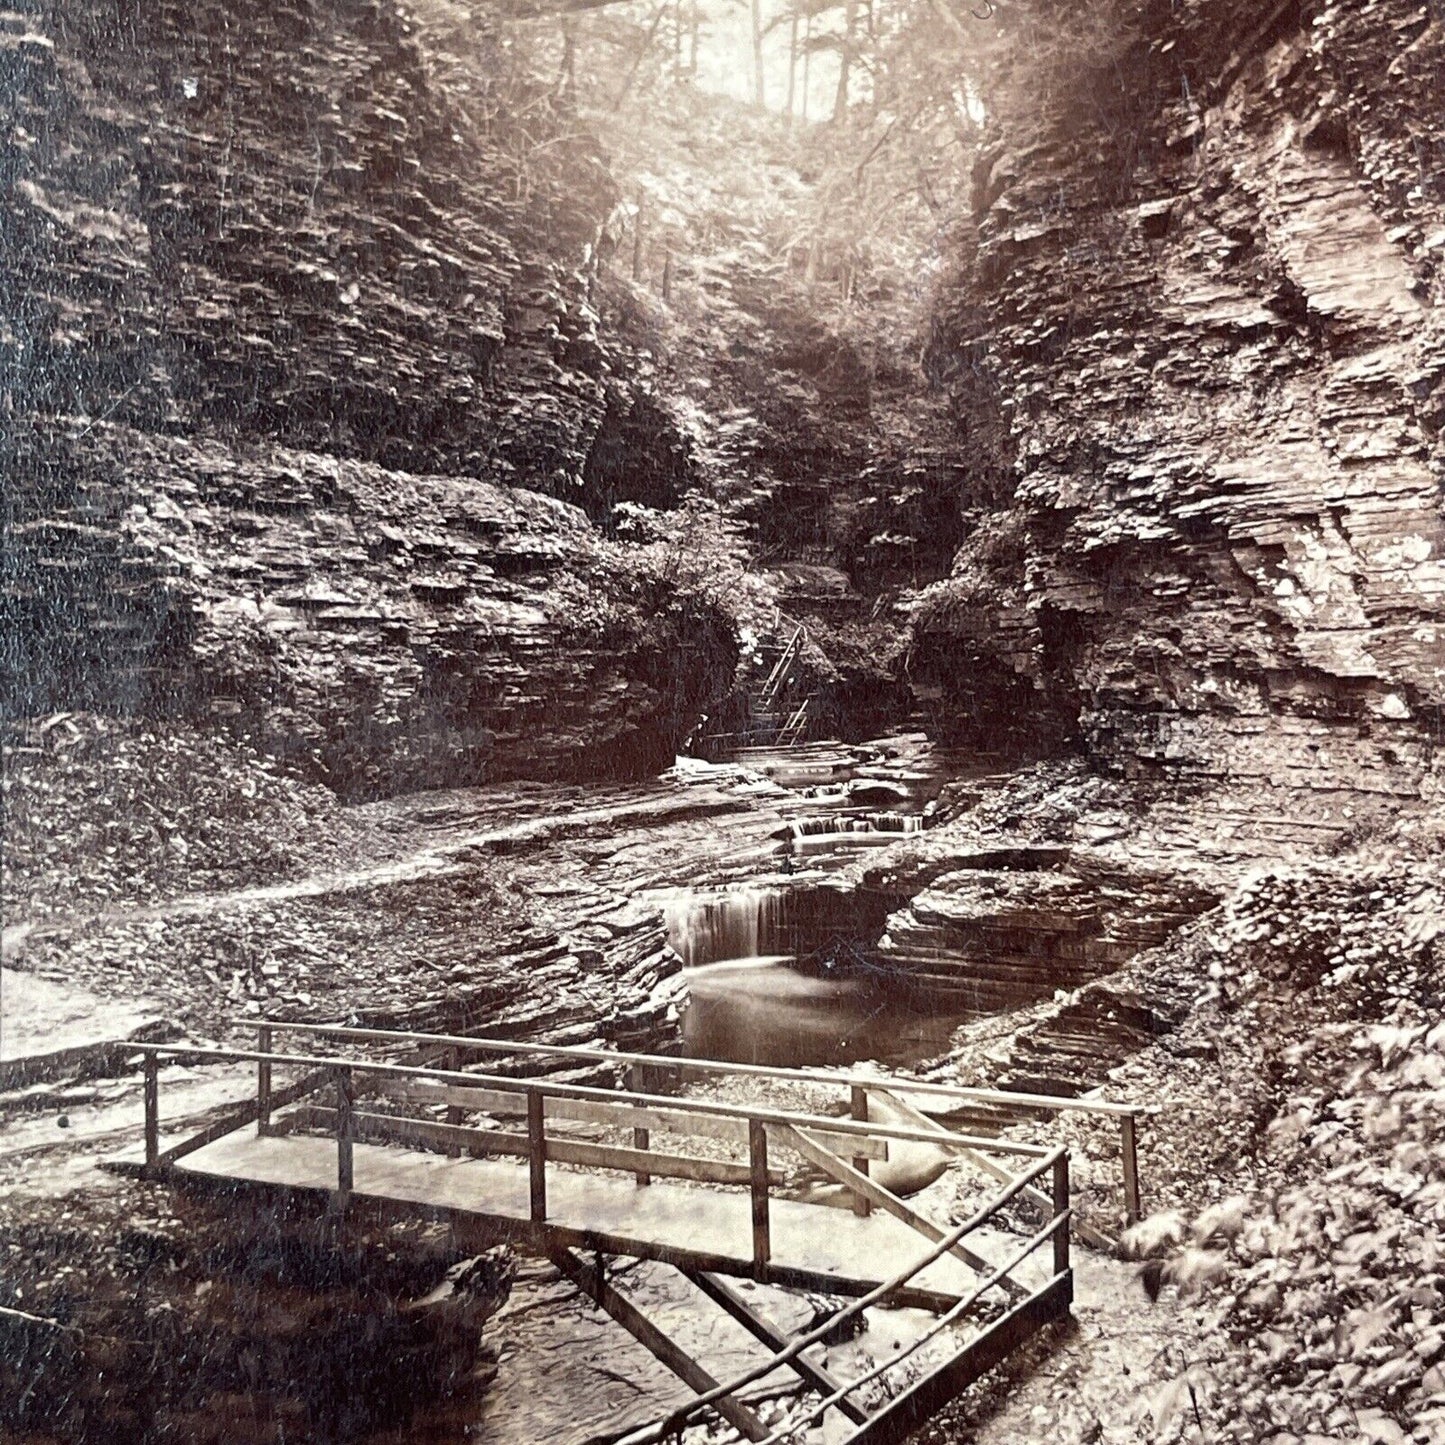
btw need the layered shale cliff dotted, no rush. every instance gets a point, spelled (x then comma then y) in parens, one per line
(1200, 299)
(307, 402)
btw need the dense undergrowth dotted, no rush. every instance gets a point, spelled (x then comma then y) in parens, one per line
(101, 810)
(1299, 1160)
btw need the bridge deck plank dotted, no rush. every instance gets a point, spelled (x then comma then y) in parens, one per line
(663, 1219)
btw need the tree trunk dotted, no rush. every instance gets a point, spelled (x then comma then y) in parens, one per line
(792, 68)
(641, 52)
(807, 58)
(815, 253)
(567, 75)
(845, 61)
(759, 94)
(637, 239)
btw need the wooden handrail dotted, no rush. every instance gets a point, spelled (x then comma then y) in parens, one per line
(537, 1156)
(773, 687)
(789, 1125)
(1057, 1103)
(788, 734)
(659, 1432)
(457, 1138)
(758, 1188)
(792, 1427)
(1127, 1114)
(542, 1089)
(866, 1188)
(152, 1112)
(263, 1081)
(345, 1096)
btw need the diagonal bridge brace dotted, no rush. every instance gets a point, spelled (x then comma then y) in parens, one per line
(591, 1280)
(721, 1293)
(814, 1152)
(1037, 1197)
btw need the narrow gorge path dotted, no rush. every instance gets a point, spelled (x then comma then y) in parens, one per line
(433, 860)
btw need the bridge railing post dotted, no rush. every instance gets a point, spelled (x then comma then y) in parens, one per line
(641, 1138)
(1129, 1151)
(263, 1081)
(537, 1154)
(345, 1167)
(1061, 1214)
(858, 1108)
(451, 1060)
(758, 1165)
(152, 1110)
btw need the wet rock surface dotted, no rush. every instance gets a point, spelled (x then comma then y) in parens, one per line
(100, 810)
(380, 630)
(189, 1324)
(327, 410)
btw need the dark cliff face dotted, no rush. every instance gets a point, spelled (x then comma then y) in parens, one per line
(297, 332)
(1204, 312)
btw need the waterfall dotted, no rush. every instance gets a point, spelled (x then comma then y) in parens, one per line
(738, 923)
(820, 827)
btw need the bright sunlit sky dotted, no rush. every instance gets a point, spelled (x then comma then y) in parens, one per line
(725, 55)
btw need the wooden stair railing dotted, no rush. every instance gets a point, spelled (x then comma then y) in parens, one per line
(772, 688)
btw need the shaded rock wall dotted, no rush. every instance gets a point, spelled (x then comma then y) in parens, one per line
(296, 334)
(1207, 302)
(275, 220)
(383, 629)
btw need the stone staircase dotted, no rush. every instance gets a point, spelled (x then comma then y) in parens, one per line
(777, 706)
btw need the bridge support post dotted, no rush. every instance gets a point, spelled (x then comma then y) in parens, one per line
(641, 1138)
(1129, 1150)
(345, 1171)
(1061, 1215)
(152, 1108)
(859, 1110)
(263, 1081)
(762, 1234)
(537, 1154)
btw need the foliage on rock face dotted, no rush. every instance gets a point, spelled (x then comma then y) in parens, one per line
(378, 629)
(301, 324)
(791, 355)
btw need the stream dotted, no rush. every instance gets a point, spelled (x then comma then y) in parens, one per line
(779, 971)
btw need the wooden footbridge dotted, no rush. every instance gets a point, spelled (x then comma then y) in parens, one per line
(577, 1172)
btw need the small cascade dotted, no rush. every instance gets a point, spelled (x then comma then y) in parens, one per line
(736, 924)
(848, 831)
(858, 823)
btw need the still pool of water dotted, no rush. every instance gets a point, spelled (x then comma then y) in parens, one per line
(765, 1011)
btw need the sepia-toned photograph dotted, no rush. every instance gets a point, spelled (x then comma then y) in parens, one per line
(723, 721)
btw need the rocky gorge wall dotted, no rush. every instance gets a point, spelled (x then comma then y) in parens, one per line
(1204, 307)
(307, 405)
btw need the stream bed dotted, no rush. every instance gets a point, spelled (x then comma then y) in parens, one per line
(778, 971)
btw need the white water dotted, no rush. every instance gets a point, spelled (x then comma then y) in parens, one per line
(846, 832)
(764, 1011)
(885, 823)
(735, 923)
